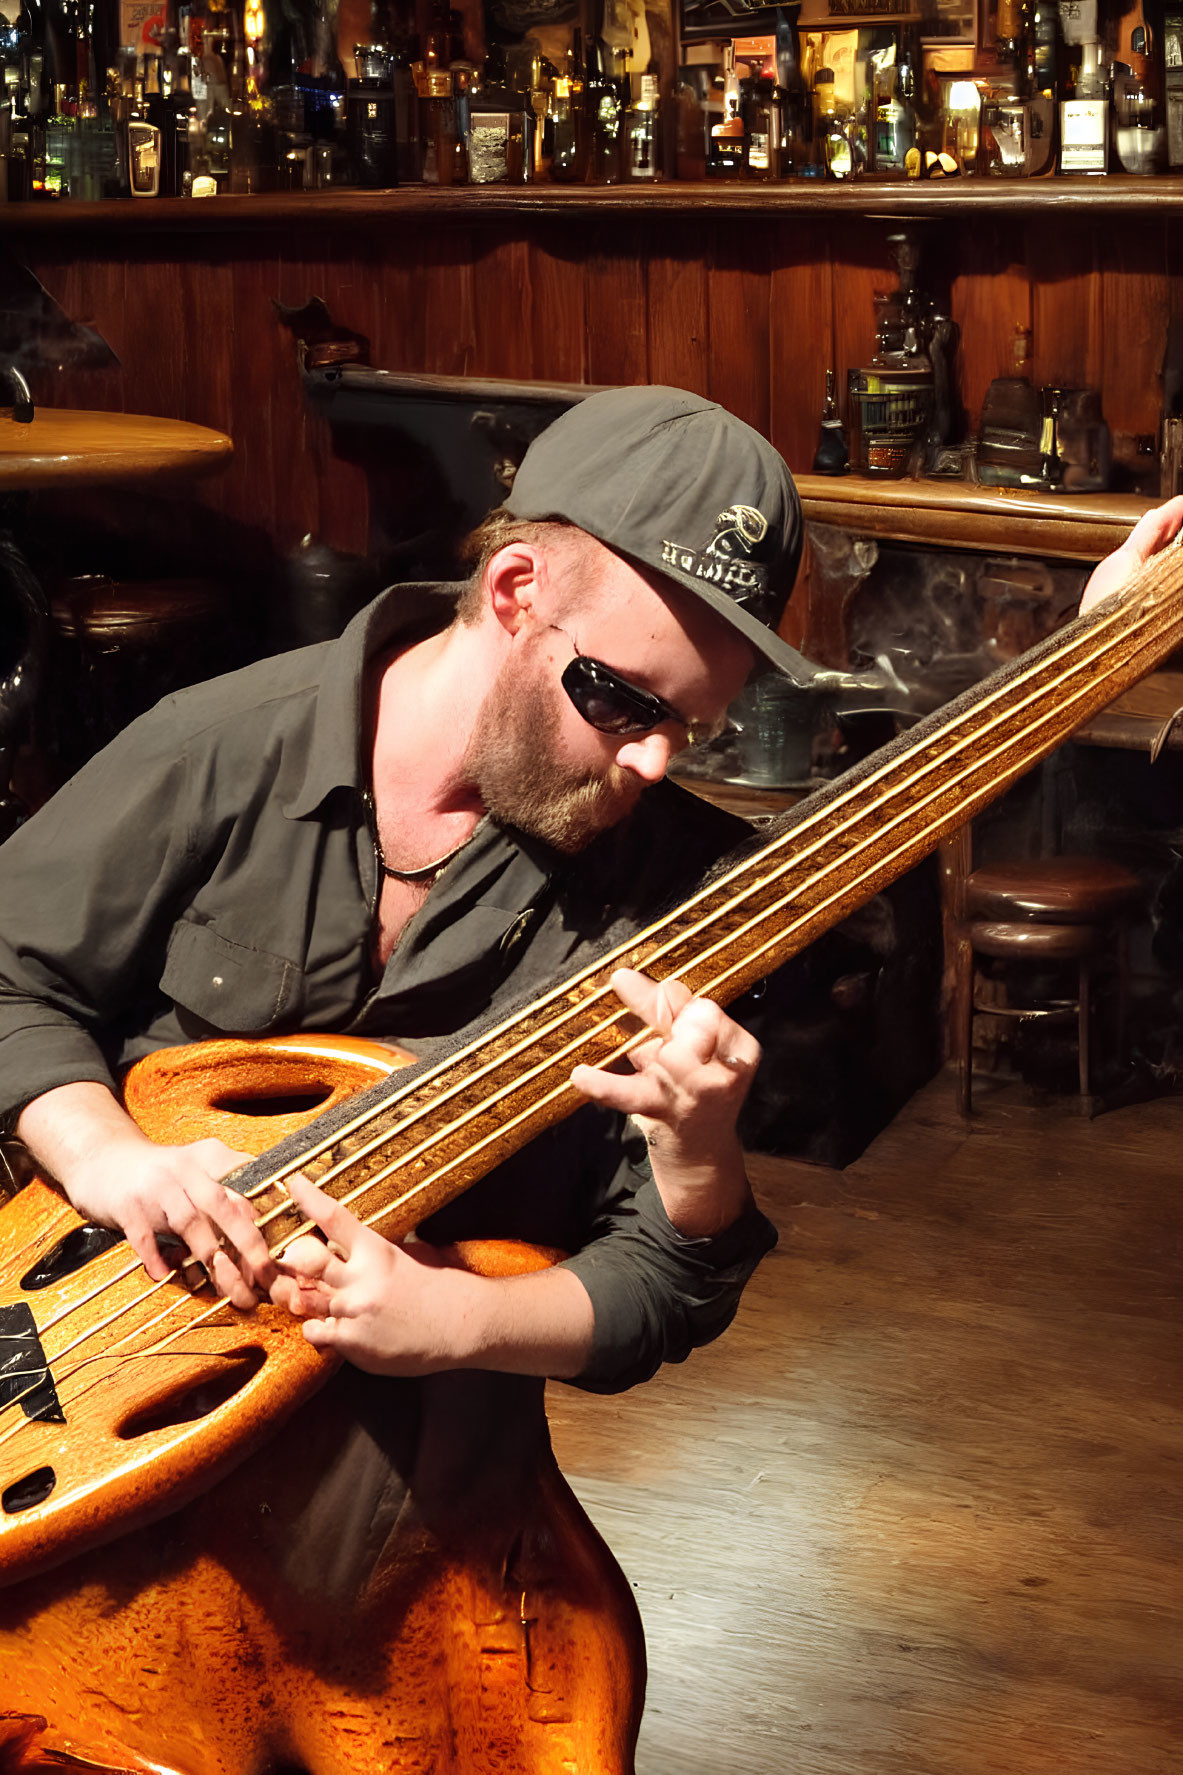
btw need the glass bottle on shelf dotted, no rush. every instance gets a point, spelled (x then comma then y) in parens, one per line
(443, 160)
(497, 132)
(690, 124)
(143, 134)
(568, 117)
(832, 456)
(1139, 135)
(895, 122)
(727, 153)
(1084, 118)
(605, 109)
(371, 141)
(831, 137)
(642, 130)
(761, 110)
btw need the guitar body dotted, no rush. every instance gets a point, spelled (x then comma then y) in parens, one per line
(185, 1645)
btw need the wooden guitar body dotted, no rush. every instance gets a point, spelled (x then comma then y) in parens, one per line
(185, 1645)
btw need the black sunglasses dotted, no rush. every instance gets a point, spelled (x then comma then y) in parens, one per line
(610, 703)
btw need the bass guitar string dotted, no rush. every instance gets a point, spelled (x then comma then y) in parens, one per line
(698, 961)
(681, 934)
(980, 764)
(753, 887)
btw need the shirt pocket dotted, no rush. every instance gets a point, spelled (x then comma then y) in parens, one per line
(229, 985)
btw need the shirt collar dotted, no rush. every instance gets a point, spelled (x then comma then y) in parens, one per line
(335, 757)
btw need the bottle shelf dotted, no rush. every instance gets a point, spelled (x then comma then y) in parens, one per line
(955, 514)
(891, 199)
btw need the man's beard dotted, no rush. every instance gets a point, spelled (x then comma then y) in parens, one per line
(512, 761)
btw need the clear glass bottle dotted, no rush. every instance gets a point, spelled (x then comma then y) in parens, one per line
(642, 131)
(1138, 130)
(727, 152)
(497, 132)
(440, 147)
(761, 106)
(143, 134)
(1084, 118)
(690, 124)
(831, 136)
(568, 117)
(606, 111)
(371, 140)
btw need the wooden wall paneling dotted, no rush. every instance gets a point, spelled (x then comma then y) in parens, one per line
(155, 351)
(1066, 313)
(679, 312)
(432, 300)
(89, 289)
(862, 267)
(801, 340)
(990, 298)
(314, 487)
(616, 304)
(738, 298)
(1135, 307)
(503, 296)
(257, 347)
(559, 295)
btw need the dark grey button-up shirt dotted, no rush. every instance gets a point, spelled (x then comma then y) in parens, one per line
(213, 872)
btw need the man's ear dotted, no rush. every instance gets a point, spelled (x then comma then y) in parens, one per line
(511, 580)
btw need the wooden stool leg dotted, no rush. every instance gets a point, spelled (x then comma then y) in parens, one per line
(963, 1021)
(1084, 1022)
(1123, 992)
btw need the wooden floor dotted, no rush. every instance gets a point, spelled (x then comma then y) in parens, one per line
(918, 1512)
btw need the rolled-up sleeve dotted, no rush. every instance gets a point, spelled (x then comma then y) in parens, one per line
(657, 1295)
(83, 885)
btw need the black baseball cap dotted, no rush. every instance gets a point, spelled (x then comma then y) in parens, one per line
(675, 483)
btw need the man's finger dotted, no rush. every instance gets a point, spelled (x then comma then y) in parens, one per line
(656, 1002)
(333, 1218)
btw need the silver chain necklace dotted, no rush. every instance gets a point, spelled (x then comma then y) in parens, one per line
(425, 871)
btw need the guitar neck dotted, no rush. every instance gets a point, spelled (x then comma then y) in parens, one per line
(403, 1154)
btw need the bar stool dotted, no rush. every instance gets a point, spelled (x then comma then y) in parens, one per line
(1054, 909)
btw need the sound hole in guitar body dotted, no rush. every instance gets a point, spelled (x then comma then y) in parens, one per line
(194, 1399)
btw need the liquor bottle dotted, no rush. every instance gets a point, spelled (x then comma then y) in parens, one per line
(439, 140)
(61, 144)
(541, 134)
(1009, 46)
(895, 122)
(727, 152)
(370, 135)
(642, 130)
(143, 136)
(568, 117)
(690, 124)
(605, 111)
(497, 127)
(1084, 118)
(1139, 134)
(760, 105)
(830, 134)
(796, 108)
(832, 456)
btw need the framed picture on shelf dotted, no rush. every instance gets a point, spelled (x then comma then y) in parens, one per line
(731, 18)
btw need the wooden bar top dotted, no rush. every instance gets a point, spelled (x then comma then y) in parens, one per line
(60, 446)
(890, 198)
(956, 514)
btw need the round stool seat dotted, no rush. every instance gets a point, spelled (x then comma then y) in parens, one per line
(1027, 940)
(1061, 890)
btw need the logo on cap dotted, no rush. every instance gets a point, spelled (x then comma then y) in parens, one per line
(727, 561)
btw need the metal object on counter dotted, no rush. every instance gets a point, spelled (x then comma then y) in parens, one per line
(889, 411)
